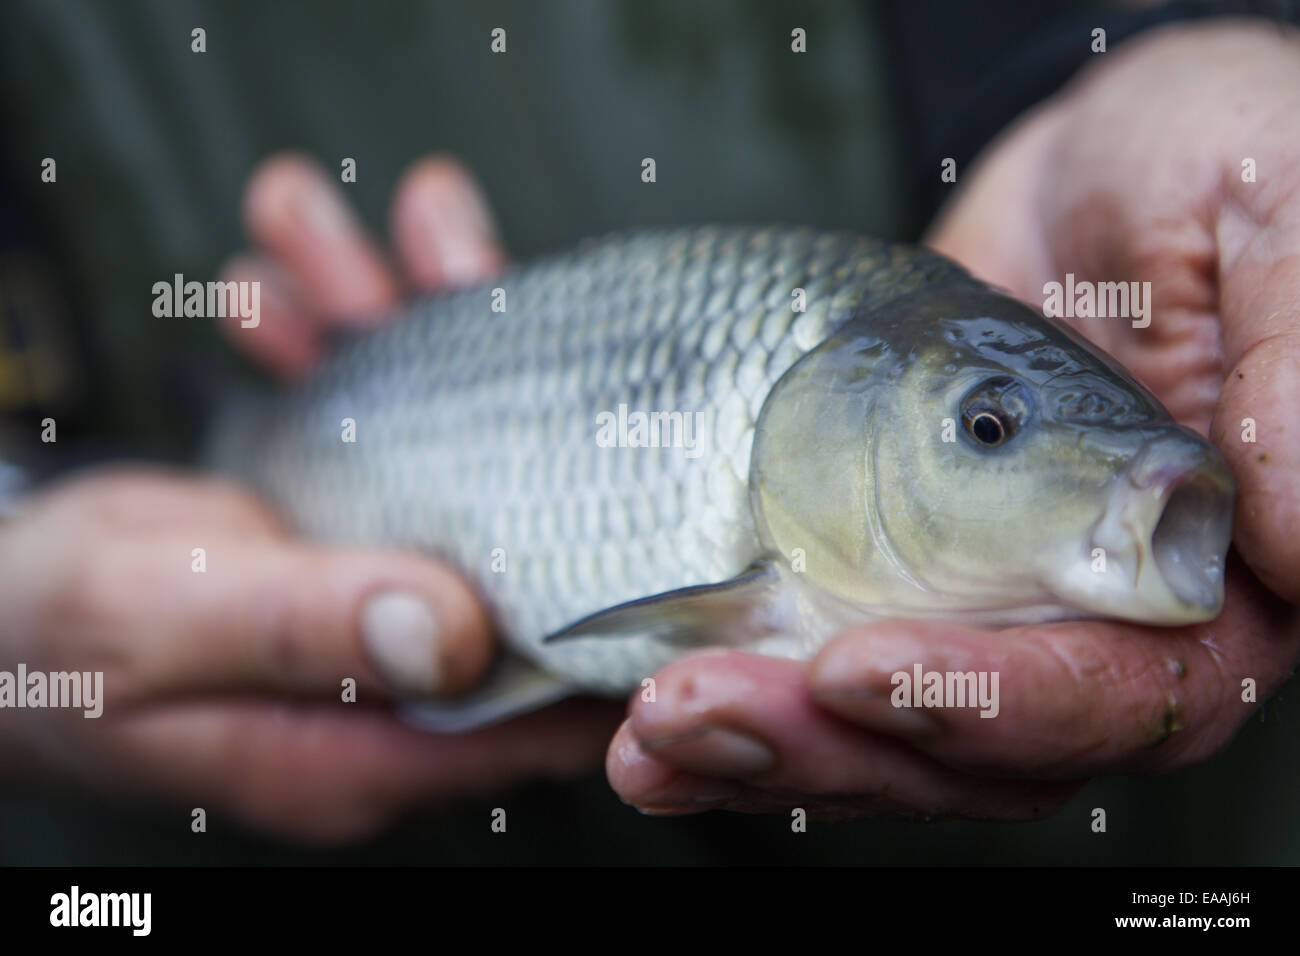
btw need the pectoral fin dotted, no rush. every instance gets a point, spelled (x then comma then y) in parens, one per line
(731, 612)
(734, 613)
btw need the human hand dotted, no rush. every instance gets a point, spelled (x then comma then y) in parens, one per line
(1135, 172)
(320, 271)
(224, 689)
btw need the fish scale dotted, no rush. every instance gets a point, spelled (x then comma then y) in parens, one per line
(477, 430)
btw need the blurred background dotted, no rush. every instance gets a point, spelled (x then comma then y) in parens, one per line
(154, 143)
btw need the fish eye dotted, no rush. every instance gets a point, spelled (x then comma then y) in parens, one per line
(995, 410)
(986, 428)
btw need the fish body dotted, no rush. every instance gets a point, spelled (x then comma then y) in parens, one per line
(745, 437)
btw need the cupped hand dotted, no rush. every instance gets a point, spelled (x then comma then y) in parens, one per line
(1134, 173)
(224, 669)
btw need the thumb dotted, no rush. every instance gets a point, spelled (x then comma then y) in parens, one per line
(282, 616)
(1255, 425)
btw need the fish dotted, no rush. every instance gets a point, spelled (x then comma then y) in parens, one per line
(742, 437)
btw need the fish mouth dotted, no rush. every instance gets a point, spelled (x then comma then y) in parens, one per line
(1165, 533)
(1182, 489)
(1191, 537)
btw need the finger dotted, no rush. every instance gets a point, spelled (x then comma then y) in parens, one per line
(658, 788)
(442, 228)
(1259, 238)
(1064, 700)
(135, 499)
(286, 338)
(272, 616)
(327, 773)
(299, 216)
(751, 719)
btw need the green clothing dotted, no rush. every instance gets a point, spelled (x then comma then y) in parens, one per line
(154, 142)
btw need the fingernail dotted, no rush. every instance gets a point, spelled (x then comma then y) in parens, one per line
(323, 211)
(461, 263)
(716, 751)
(460, 232)
(400, 633)
(470, 211)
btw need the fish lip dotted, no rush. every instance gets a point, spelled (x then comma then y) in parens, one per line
(1190, 537)
(1166, 527)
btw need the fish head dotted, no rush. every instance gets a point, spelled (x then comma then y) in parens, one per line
(962, 454)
